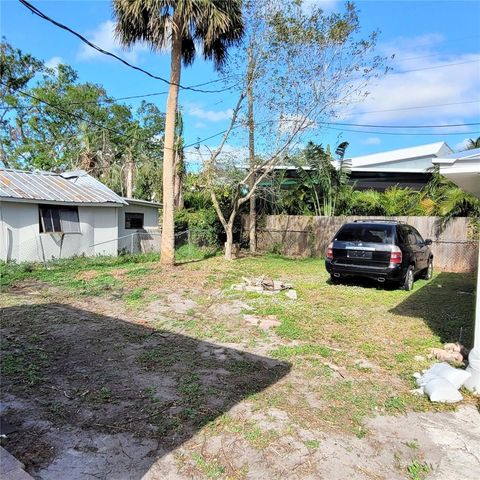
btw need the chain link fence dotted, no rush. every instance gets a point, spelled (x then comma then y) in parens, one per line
(57, 246)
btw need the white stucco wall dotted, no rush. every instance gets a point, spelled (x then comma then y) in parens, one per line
(21, 240)
(143, 240)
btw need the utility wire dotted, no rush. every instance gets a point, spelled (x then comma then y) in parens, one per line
(320, 122)
(437, 66)
(420, 106)
(399, 133)
(42, 15)
(401, 126)
(198, 142)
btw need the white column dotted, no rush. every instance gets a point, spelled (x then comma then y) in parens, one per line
(473, 383)
(476, 338)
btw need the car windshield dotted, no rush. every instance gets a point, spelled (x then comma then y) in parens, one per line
(366, 233)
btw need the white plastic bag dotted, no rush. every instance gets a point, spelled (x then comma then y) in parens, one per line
(441, 390)
(456, 376)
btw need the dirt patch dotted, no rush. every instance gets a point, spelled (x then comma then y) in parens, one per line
(74, 376)
(87, 275)
(178, 386)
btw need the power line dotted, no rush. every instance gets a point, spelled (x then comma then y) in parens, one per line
(197, 142)
(42, 15)
(436, 66)
(320, 122)
(411, 134)
(420, 106)
(402, 126)
(113, 99)
(99, 125)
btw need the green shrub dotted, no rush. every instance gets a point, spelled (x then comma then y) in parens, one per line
(203, 226)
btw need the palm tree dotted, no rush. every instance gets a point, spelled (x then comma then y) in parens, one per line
(473, 143)
(179, 26)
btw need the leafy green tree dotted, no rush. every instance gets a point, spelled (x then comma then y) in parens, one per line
(322, 177)
(181, 26)
(299, 69)
(61, 124)
(16, 70)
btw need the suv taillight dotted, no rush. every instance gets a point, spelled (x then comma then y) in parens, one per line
(330, 252)
(396, 255)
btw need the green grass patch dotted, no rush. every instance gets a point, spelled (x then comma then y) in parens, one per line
(418, 470)
(26, 369)
(210, 468)
(189, 253)
(134, 297)
(312, 444)
(286, 353)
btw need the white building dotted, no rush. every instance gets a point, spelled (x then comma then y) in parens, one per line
(464, 169)
(405, 167)
(46, 215)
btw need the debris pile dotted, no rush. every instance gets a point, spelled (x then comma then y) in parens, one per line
(451, 352)
(441, 383)
(266, 286)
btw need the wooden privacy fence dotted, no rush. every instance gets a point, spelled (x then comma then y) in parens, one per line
(304, 236)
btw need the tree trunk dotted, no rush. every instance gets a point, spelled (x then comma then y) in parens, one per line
(168, 228)
(178, 180)
(129, 177)
(229, 242)
(252, 224)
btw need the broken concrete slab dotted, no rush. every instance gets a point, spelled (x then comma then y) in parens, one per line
(265, 323)
(262, 285)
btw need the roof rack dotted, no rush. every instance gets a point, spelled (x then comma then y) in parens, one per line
(378, 220)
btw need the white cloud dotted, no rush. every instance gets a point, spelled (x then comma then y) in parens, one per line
(104, 37)
(416, 81)
(200, 125)
(372, 141)
(54, 62)
(197, 110)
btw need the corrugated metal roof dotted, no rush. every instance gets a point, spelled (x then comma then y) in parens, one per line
(71, 187)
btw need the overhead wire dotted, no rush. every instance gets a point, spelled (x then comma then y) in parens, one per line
(42, 15)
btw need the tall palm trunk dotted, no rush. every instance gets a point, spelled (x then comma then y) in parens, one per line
(129, 175)
(168, 231)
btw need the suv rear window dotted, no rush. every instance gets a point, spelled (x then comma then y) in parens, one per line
(366, 233)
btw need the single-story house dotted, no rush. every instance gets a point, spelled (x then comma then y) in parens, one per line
(405, 167)
(45, 215)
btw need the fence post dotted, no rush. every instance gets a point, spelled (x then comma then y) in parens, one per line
(131, 244)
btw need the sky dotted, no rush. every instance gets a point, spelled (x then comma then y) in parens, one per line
(435, 76)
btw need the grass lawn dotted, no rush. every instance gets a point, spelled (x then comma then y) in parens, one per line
(121, 345)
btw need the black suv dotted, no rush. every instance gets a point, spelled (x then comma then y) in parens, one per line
(387, 251)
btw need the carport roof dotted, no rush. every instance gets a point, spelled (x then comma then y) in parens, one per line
(69, 188)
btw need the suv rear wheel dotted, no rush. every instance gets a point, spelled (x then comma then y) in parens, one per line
(409, 279)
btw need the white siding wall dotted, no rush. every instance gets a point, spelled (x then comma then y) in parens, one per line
(21, 240)
(146, 239)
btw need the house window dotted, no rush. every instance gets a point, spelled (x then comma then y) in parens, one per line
(133, 220)
(58, 219)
